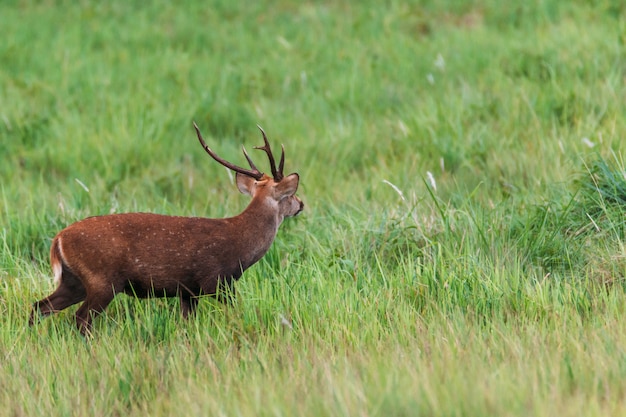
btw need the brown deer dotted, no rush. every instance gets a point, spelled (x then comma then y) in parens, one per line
(152, 255)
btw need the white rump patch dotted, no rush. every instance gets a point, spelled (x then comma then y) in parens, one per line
(57, 269)
(57, 266)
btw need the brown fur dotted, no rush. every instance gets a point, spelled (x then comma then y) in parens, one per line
(145, 254)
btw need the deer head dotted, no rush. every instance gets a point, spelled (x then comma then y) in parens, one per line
(277, 189)
(143, 254)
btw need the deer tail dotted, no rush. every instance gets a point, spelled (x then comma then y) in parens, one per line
(56, 259)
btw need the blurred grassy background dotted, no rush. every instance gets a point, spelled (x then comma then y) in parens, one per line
(462, 165)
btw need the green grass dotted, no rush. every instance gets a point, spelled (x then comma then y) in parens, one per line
(497, 290)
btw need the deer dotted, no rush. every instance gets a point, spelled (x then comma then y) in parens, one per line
(154, 255)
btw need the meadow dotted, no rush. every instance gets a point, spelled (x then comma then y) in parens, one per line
(461, 251)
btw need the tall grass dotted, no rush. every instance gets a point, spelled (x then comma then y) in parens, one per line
(461, 250)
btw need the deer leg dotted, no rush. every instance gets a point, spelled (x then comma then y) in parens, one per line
(188, 305)
(94, 304)
(69, 292)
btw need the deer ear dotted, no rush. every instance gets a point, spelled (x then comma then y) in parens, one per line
(244, 183)
(288, 185)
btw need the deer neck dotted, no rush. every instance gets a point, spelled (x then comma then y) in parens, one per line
(259, 224)
(262, 214)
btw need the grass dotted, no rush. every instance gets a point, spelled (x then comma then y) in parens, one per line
(462, 246)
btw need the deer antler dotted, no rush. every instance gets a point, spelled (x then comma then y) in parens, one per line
(277, 174)
(254, 172)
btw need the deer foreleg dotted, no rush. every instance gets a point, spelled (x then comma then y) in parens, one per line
(188, 304)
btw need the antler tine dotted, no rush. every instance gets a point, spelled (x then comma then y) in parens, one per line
(254, 172)
(281, 164)
(278, 175)
(248, 159)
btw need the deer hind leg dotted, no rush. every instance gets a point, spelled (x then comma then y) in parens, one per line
(95, 303)
(69, 292)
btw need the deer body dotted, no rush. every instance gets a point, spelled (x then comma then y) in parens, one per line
(144, 255)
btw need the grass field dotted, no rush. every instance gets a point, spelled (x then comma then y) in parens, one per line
(461, 252)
